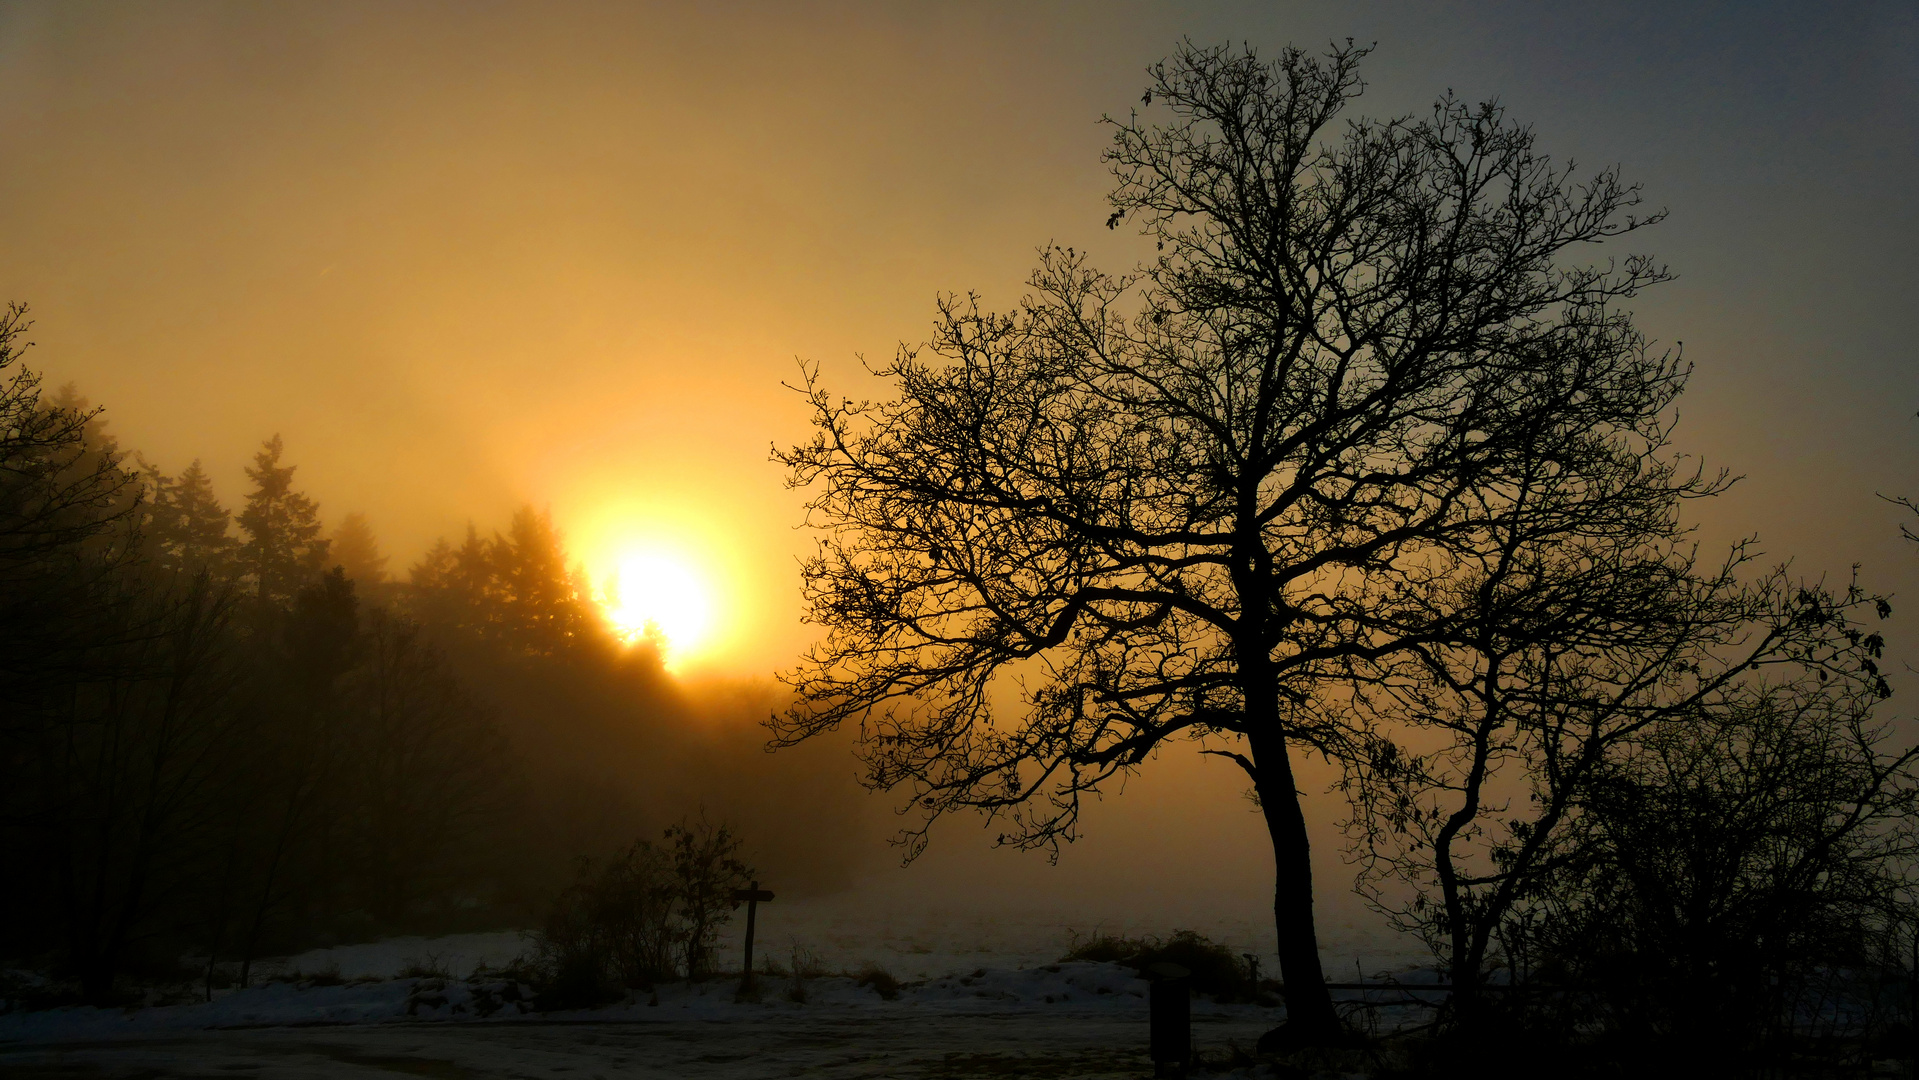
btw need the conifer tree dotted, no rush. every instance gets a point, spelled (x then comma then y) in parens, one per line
(459, 587)
(515, 587)
(434, 568)
(186, 524)
(355, 550)
(543, 606)
(283, 550)
(428, 582)
(474, 576)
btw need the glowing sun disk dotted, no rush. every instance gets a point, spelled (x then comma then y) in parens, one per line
(653, 593)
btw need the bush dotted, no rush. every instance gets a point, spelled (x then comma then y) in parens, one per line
(430, 966)
(632, 920)
(575, 981)
(881, 980)
(613, 927)
(1215, 969)
(706, 869)
(1738, 874)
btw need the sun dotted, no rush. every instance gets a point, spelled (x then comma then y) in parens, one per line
(654, 594)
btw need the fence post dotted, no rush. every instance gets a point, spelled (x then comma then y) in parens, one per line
(1170, 1019)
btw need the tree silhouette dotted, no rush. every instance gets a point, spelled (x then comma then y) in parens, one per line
(537, 592)
(452, 586)
(68, 521)
(515, 588)
(186, 525)
(305, 748)
(1195, 500)
(425, 791)
(283, 550)
(1487, 753)
(355, 549)
(1735, 871)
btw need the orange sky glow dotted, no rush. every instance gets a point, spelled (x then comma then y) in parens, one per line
(466, 258)
(463, 264)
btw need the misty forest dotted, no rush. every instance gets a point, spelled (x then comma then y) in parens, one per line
(236, 733)
(1334, 485)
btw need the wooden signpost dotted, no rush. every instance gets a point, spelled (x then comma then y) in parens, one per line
(753, 895)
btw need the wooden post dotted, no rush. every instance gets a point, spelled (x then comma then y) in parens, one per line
(1169, 1014)
(753, 894)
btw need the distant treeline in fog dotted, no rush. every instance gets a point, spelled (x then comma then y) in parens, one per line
(230, 731)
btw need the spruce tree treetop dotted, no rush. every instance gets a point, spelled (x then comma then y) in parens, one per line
(515, 588)
(187, 526)
(283, 550)
(356, 550)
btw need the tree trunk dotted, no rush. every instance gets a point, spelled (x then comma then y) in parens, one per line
(1467, 938)
(1309, 1008)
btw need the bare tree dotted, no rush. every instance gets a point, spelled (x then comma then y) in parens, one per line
(130, 775)
(427, 777)
(1487, 752)
(707, 870)
(1740, 874)
(1192, 500)
(69, 512)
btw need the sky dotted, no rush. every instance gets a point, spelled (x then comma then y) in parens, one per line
(465, 257)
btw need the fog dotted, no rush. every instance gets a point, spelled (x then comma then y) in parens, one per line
(466, 258)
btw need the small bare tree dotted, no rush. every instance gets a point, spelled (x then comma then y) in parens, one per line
(626, 918)
(707, 869)
(1487, 753)
(1193, 500)
(1740, 877)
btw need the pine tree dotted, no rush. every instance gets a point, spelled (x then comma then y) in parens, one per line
(474, 574)
(186, 524)
(542, 600)
(355, 550)
(516, 588)
(459, 587)
(435, 568)
(283, 550)
(204, 535)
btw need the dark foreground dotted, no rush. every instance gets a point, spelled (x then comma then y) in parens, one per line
(888, 1044)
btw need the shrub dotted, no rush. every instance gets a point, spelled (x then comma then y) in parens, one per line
(574, 981)
(1215, 969)
(1736, 874)
(706, 869)
(430, 966)
(881, 980)
(1108, 949)
(631, 920)
(613, 927)
(806, 966)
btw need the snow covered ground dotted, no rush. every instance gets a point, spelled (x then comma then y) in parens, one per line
(982, 996)
(905, 936)
(1052, 1020)
(838, 1039)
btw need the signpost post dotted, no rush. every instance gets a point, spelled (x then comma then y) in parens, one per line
(1169, 1014)
(753, 895)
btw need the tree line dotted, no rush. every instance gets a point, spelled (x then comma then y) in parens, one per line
(229, 734)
